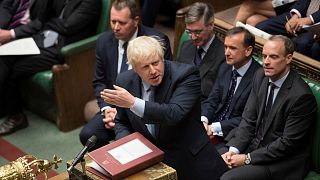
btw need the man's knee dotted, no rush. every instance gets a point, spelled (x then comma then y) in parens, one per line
(228, 176)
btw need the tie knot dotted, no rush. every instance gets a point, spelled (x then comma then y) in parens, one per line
(235, 73)
(125, 45)
(200, 51)
(272, 85)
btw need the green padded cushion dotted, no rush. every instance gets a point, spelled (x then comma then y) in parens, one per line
(315, 87)
(312, 176)
(104, 18)
(79, 46)
(42, 80)
(184, 37)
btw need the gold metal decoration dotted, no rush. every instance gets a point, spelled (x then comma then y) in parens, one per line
(27, 167)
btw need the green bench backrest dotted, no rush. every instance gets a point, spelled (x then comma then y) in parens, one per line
(184, 37)
(104, 18)
(315, 87)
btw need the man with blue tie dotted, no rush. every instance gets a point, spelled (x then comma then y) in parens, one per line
(39, 19)
(204, 49)
(111, 60)
(221, 112)
(171, 120)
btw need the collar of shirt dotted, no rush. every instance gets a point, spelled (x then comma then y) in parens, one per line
(243, 69)
(145, 86)
(280, 81)
(207, 45)
(121, 42)
(121, 51)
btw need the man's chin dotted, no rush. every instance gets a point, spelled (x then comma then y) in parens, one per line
(268, 74)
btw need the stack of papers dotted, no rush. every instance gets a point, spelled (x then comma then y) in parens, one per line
(25, 46)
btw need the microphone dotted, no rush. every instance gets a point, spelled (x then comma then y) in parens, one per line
(90, 142)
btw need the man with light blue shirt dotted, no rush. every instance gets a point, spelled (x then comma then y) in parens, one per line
(272, 140)
(222, 111)
(168, 115)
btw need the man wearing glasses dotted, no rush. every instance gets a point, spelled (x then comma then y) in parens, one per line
(204, 50)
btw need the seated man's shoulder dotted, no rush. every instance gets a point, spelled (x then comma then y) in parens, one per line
(178, 69)
(153, 32)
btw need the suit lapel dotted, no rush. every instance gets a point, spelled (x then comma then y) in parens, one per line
(135, 90)
(278, 102)
(161, 93)
(244, 83)
(113, 57)
(163, 89)
(262, 93)
(226, 84)
(209, 59)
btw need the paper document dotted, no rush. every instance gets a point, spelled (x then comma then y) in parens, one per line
(315, 28)
(254, 30)
(25, 46)
(98, 168)
(129, 151)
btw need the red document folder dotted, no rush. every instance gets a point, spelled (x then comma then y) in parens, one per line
(126, 156)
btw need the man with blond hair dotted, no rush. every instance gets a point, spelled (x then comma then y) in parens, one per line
(161, 100)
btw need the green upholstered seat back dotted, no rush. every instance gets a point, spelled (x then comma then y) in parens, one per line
(184, 37)
(315, 87)
(104, 18)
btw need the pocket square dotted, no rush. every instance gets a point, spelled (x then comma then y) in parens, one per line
(50, 38)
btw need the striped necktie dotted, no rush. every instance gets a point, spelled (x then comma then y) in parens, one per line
(124, 65)
(233, 84)
(21, 11)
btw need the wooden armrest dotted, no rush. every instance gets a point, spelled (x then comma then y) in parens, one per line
(179, 28)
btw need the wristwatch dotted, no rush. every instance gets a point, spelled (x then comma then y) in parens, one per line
(247, 159)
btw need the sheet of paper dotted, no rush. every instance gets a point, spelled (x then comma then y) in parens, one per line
(25, 46)
(96, 166)
(315, 28)
(254, 30)
(129, 151)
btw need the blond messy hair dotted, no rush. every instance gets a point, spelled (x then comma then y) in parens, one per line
(143, 48)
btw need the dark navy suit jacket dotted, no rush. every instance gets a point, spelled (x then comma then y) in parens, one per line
(176, 114)
(107, 59)
(209, 65)
(218, 97)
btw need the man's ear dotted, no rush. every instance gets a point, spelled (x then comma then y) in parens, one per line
(249, 51)
(289, 58)
(136, 21)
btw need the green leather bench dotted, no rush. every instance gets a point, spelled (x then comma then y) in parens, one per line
(60, 94)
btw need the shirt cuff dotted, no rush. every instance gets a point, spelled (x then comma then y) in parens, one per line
(104, 108)
(294, 11)
(138, 107)
(204, 119)
(216, 129)
(13, 34)
(234, 149)
(311, 19)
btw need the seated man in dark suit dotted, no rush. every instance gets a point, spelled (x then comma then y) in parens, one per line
(111, 60)
(204, 50)
(222, 111)
(161, 100)
(273, 138)
(303, 12)
(52, 24)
